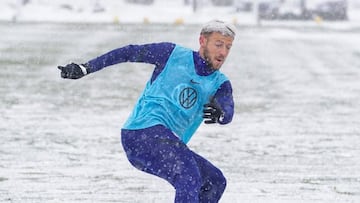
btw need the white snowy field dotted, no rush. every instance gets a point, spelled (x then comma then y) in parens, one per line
(295, 136)
(161, 11)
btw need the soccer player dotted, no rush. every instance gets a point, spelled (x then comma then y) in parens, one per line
(185, 89)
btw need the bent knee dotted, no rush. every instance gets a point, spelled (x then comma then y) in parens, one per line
(219, 183)
(215, 184)
(222, 183)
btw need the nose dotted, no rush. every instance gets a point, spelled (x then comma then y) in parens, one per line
(223, 52)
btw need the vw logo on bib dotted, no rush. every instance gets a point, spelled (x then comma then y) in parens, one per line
(188, 97)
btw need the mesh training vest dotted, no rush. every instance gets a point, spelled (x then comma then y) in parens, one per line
(176, 97)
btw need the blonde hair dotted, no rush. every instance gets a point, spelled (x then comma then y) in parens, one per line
(219, 26)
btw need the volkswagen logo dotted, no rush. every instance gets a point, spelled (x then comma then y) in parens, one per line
(188, 97)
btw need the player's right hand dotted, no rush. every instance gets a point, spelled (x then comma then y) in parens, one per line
(73, 71)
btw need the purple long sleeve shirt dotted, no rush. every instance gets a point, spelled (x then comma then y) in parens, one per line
(158, 55)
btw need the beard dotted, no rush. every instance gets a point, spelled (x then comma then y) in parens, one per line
(209, 61)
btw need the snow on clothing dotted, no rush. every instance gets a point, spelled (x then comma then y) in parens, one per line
(158, 54)
(156, 150)
(168, 113)
(176, 98)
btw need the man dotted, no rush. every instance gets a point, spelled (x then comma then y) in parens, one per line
(186, 88)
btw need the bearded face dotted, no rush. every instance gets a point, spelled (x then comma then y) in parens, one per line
(214, 49)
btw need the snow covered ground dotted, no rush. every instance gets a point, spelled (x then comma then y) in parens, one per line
(295, 136)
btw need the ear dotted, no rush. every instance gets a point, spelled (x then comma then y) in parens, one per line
(202, 40)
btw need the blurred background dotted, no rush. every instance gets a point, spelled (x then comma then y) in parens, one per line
(179, 11)
(295, 71)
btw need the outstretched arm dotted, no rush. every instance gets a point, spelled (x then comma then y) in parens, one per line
(155, 53)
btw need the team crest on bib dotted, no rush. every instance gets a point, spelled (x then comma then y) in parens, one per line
(188, 97)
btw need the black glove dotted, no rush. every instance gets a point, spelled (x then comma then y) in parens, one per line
(212, 113)
(73, 71)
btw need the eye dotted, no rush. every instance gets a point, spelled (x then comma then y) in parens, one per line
(218, 45)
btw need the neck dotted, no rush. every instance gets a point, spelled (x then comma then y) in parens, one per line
(202, 66)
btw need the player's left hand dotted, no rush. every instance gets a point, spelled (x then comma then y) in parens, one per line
(212, 113)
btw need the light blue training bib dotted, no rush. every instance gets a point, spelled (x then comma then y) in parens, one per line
(177, 96)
